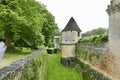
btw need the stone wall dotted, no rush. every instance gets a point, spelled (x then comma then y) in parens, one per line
(98, 48)
(31, 67)
(95, 54)
(90, 73)
(90, 55)
(114, 37)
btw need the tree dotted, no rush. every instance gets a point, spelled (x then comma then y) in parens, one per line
(8, 20)
(49, 29)
(31, 37)
(98, 31)
(26, 23)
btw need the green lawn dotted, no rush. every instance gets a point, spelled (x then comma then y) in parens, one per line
(56, 71)
(13, 55)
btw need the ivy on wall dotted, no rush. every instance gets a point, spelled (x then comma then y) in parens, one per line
(35, 69)
(90, 52)
(89, 73)
(94, 58)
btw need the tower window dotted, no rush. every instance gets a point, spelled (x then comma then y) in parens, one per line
(78, 34)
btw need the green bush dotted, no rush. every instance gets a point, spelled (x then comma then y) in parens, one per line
(95, 39)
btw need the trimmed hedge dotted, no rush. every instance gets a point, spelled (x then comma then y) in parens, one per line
(51, 51)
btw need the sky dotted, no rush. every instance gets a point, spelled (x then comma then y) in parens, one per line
(89, 14)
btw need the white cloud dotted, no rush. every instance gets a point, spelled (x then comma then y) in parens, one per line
(89, 14)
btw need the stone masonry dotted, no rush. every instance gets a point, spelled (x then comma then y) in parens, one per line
(70, 36)
(14, 70)
(114, 37)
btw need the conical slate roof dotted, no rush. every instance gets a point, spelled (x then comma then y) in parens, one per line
(72, 26)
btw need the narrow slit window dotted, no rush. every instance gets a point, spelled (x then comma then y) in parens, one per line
(78, 34)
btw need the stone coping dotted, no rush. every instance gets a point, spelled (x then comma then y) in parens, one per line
(7, 70)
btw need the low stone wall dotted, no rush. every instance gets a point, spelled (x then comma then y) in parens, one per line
(31, 67)
(90, 73)
(94, 55)
(99, 48)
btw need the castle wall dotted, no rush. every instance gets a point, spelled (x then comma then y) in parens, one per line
(114, 42)
(114, 36)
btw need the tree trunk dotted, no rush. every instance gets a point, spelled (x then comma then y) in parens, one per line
(8, 38)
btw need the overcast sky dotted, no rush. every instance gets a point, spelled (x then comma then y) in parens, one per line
(88, 14)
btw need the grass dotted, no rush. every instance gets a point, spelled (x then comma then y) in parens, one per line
(12, 55)
(56, 71)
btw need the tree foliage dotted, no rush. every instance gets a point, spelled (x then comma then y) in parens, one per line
(49, 29)
(98, 31)
(95, 39)
(26, 23)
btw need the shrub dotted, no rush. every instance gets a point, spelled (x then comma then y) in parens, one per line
(95, 39)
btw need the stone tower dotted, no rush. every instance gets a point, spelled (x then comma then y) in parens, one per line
(70, 36)
(114, 36)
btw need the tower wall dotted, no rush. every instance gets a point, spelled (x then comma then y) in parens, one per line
(68, 51)
(114, 37)
(68, 54)
(70, 37)
(69, 40)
